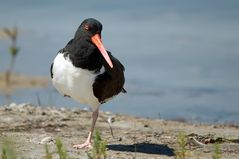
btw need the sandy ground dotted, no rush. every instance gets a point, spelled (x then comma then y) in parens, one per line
(31, 127)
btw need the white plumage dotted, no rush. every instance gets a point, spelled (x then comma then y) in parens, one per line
(74, 82)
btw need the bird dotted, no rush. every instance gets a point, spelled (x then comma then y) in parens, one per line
(86, 72)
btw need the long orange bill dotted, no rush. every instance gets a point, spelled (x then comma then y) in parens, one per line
(97, 41)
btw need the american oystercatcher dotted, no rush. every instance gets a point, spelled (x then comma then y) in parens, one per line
(86, 72)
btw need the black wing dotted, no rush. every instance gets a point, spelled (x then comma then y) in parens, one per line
(111, 82)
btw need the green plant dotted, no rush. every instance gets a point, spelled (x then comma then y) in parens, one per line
(60, 149)
(217, 152)
(182, 143)
(13, 49)
(48, 154)
(8, 150)
(99, 148)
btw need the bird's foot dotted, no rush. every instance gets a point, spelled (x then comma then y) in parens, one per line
(86, 145)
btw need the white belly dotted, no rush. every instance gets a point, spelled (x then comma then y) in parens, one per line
(74, 82)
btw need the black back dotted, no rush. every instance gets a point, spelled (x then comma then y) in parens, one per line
(84, 54)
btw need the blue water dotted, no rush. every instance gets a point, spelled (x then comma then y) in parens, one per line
(181, 57)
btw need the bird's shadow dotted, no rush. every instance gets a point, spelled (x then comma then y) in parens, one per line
(147, 148)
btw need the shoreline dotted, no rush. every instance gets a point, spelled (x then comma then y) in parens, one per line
(30, 127)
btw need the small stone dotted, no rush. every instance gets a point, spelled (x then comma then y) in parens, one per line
(57, 129)
(12, 105)
(47, 140)
(120, 139)
(86, 109)
(146, 125)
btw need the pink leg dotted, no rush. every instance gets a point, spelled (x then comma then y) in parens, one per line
(87, 143)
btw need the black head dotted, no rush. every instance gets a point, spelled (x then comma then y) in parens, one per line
(89, 27)
(90, 30)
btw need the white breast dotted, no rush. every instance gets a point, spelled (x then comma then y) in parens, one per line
(74, 82)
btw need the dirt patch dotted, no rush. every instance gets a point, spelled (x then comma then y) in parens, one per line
(31, 127)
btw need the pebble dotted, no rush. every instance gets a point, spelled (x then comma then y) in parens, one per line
(47, 140)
